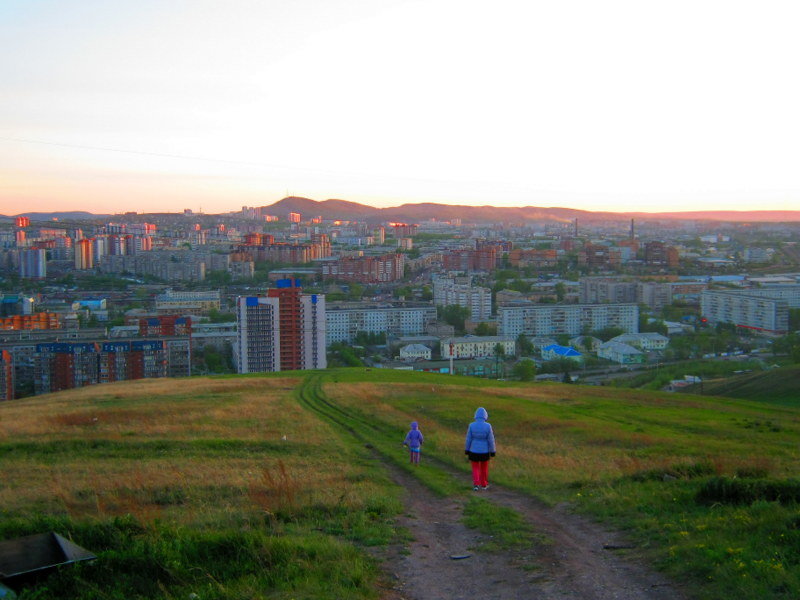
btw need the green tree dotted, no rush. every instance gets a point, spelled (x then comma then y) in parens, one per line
(483, 328)
(794, 319)
(218, 278)
(558, 365)
(342, 355)
(524, 345)
(216, 316)
(356, 291)
(789, 345)
(525, 370)
(454, 315)
(561, 291)
(606, 333)
(404, 291)
(499, 350)
(656, 326)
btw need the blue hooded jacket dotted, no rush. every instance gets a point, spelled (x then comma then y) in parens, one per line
(414, 437)
(480, 437)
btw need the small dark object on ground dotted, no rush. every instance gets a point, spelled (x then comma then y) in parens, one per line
(460, 556)
(25, 557)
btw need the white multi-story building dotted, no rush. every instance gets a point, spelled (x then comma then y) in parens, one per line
(600, 290)
(344, 322)
(257, 348)
(654, 294)
(786, 292)
(472, 346)
(570, 319)
(746, 309)
(478, 300)
(187, 302)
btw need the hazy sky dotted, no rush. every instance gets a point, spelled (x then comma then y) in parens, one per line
(612, 105)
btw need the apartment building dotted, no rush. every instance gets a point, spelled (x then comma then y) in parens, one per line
(468, 261)
(345, 320)
(135, 359)
(67, 365)
(533, 258)
(478, 300)
(284, 330)
(745, 309)
(654, 294)
(194, 303)
(660, 254)
(33, 263)
(570, 319)
(6, 375)
(601, 290)
(366, 269)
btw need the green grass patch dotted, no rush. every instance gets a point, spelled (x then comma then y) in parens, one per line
(137, 560)
(777, 386)
(505, 527)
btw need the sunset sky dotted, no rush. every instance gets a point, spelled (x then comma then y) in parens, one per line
(159, 105)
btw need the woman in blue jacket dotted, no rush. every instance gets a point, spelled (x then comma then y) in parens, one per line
(480, 448)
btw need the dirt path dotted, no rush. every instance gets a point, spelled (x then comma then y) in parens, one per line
(573, 565)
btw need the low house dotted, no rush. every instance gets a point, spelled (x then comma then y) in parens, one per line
(647, 341)
(618, 352)
(475, 346)
(587, 343)
(414, 352)
(554, 351)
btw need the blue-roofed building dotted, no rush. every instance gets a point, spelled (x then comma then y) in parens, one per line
(555, 351)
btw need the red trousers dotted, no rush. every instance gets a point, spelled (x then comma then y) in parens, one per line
(480, 473)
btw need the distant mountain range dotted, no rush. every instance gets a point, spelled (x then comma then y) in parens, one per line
(415, 213)
(343, 209)
(74, 215)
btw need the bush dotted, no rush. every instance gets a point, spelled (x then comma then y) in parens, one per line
(678, 471)
(729, 490)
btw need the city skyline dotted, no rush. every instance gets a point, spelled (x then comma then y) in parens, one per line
(620, 107)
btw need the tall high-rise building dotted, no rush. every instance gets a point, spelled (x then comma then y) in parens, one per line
(84, 257)
(282, 331)
(33, 263)
(477, 299)
(6, 375)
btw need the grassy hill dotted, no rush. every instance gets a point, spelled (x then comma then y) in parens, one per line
(269, 487)
(777, 386)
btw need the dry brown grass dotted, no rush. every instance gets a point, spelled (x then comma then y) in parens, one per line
(154, 484)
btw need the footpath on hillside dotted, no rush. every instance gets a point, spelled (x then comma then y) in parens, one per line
(580, 559)
(444, 559)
